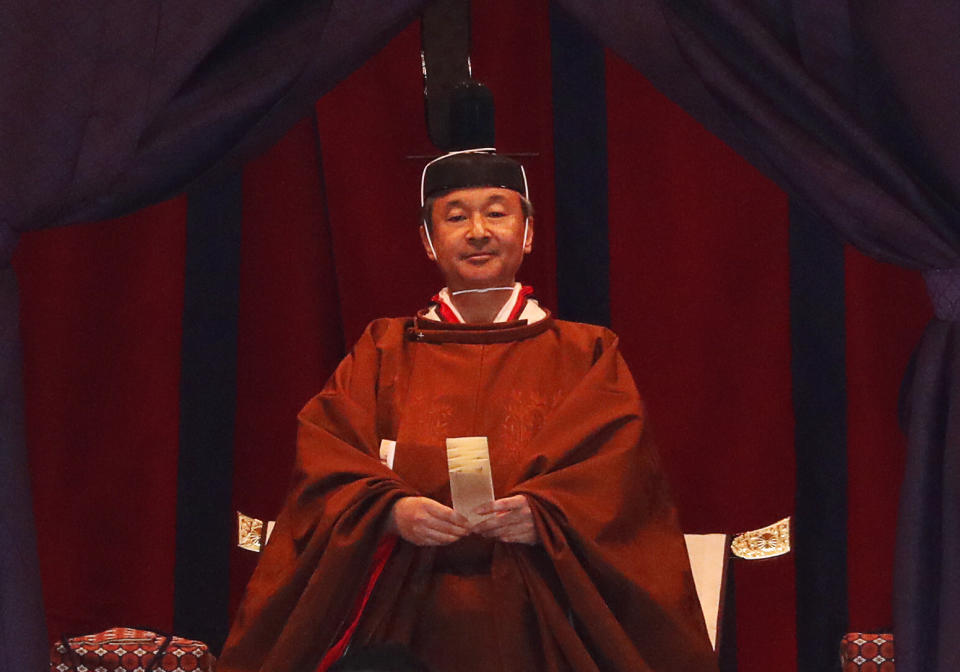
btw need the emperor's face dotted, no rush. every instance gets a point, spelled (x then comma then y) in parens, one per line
(478, 235)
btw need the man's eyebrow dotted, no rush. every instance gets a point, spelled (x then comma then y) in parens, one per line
(457, 203)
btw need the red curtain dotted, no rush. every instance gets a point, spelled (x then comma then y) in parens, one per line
(101, 314)
(887, 310)
(699, 296)
(289, 329)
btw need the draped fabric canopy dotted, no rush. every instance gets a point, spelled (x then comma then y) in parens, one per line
(824, 98)
(108, 106)
(849, 106)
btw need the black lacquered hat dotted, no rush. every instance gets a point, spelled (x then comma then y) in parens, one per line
(468, 168)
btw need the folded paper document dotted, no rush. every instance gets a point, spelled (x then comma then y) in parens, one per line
(471, 481)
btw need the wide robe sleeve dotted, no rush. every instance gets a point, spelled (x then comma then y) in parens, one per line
(335, 515)
(611, 543)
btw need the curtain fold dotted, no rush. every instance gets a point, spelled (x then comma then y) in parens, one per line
(724, 62)
(23, 632)
(111, 105)
(850, 107)
(926, 597)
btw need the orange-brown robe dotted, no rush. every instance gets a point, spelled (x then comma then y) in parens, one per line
(607, 588)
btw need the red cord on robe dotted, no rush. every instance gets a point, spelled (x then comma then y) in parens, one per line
(380, 557)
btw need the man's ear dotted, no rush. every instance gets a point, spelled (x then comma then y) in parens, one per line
(425, 240)
(528, 242)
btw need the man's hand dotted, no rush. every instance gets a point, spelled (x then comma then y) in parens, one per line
(511, 521)
(425, 522)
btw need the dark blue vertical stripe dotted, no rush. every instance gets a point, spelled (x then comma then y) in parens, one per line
(325, 224)
(818, 339)
(580, 171)
(207, 411)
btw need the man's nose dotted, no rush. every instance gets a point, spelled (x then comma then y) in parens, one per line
(478, 226)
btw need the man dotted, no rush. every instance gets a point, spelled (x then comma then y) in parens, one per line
(578, 564)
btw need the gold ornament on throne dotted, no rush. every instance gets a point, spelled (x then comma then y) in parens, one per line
(250, 532)
(766, 542)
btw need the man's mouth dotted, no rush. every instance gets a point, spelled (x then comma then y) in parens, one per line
(478, 256)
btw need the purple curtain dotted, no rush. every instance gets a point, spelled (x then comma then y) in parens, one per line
(109, 105)
(852, 108)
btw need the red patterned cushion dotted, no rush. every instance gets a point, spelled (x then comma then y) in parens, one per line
(866, 652)
(126, 650)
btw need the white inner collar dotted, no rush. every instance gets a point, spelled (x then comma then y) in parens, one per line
(501, 316)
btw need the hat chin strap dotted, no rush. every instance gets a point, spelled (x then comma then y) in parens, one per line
(482, 291)
(426, 229)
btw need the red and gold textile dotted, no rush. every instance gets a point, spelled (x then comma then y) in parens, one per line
(866, 652)
(129, 650)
